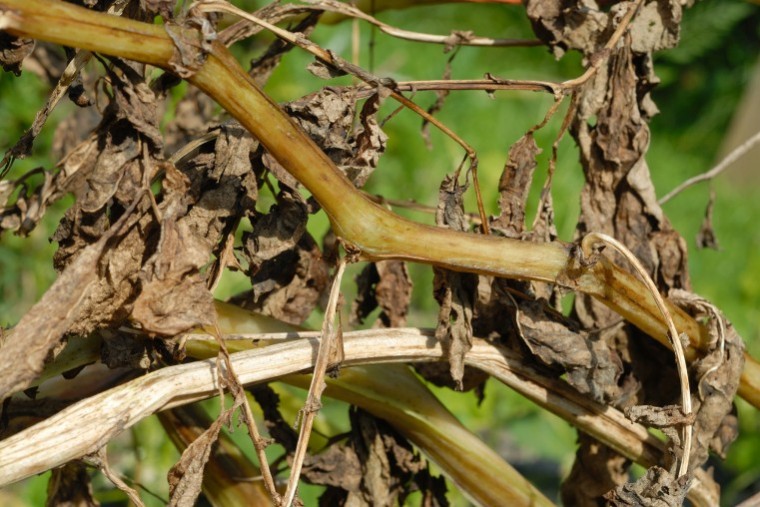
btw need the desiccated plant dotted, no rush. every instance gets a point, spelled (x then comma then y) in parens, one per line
(157, 218)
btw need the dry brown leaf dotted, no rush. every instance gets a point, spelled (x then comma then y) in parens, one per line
(24, 351)
(287, 269)
(717, 376)
(163, 7)
(70, 486)
(338, 466)
(514, 186)
(13, 50)
(375, 467)
(369, 141)
(596, 470)
(186, 476)
(385, 284)
(173, 297)
(456, 293)
(327, 117)
(706, 237)
(655, 489)
(590, 365)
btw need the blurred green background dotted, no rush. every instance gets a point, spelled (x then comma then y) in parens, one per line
(707, 85)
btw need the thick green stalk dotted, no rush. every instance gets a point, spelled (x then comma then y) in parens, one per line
(375, 231)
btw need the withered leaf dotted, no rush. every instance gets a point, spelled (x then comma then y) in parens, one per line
(70, 486)
(514, 186)
(590, 365)
(456, 293)
(656, 489)
(173, 305)
(327, 116)
(385, 284)
(278, 231)
(375, 467)
(706, 237)
(718, 376)
(186, 476)
(324, 71)
(659, 417)
(22, 356)
(13, 50)
(286, 266)
(369, 141)
(596, 470)
(163, 7)
(173, 297)
(338, 466)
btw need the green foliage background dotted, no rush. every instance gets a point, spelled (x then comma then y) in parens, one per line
(702, 82)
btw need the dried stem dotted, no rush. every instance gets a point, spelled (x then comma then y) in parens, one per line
(88, 424)
(236, 386)
(455, 39)
(327, 348)
(372, 229)
(732, 157)
(589, 243)
(100, 460)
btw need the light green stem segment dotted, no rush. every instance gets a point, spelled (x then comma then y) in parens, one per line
(375, 231)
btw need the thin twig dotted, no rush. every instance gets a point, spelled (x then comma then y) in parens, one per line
(589, 242)
(456, 38)
(490, 84)
(236, 387)
(602, 56)
(100, 460)
(545, 199)
(732, 157)
(313, 401)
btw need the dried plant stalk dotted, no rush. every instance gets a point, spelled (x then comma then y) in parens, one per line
(88, 425)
